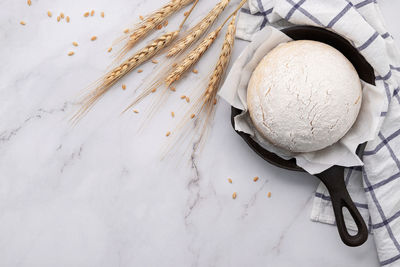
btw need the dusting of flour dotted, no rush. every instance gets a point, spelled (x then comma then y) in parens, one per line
(304, 96)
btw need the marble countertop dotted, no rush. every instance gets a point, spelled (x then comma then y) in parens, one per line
(97, 194)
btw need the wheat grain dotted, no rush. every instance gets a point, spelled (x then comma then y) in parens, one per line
(86, 14)
(67, 19)
(94, 38)
(128, 65)
(102, 14)
(152, 21)
(71, 53)
(49, 14)
(191, 58)
(23, 23)
(29, 2)
(198, 30)
(92, 13)
(61, 15)
(74, 43)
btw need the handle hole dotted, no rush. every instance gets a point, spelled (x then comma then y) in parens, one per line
(349, 219)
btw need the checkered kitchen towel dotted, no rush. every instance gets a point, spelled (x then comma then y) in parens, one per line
(375, 188)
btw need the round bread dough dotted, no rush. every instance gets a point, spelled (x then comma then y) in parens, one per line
(304, 96)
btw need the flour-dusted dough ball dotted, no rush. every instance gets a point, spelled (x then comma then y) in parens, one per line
(304, 96)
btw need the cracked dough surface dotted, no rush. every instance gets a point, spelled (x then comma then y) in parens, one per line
(304, 96)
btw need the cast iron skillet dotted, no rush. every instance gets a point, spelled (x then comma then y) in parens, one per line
(333, 178)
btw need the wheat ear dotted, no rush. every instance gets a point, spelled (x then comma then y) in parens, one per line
(116, 74)
(204, 105)
(223, 61)
(198, 30)
(191, 58)
(152, 21)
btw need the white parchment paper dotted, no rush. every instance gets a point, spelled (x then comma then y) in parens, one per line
(342, 153)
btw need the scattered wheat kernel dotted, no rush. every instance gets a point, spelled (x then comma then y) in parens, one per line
(174, 65)
(74, 43)
(168, 134)
(23, 23)
(136, 111)
(165, 23)
(173, 89)
(49, 14)
(71, 53)
(187, 99)
(154, 61)
(109, 49)
(86, 14)
(141, 18)
(159, 26)
(126, 30)
(94, 38)
(269, 194)
(230, 180)
(140, 71)
(192, 116)
(255, 179)
(102, 14)
(67, 19)
(92, 13)
(195, 71)
(186, 13)
(153, 90)
(58, 18)
(29, 2)
(123, 87)
(172, 114)
(62, 15)
(234, 195)
(183, 97)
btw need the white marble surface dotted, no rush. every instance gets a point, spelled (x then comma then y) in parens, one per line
(98, 195)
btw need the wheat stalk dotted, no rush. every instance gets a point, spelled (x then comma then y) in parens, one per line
(198, 30)
(191, 58)
(150, 22)
(204, 106)
(116, 74)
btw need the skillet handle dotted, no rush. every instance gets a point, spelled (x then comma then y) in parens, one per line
(333, 178)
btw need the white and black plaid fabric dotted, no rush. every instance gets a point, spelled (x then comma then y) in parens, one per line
(375, 187)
